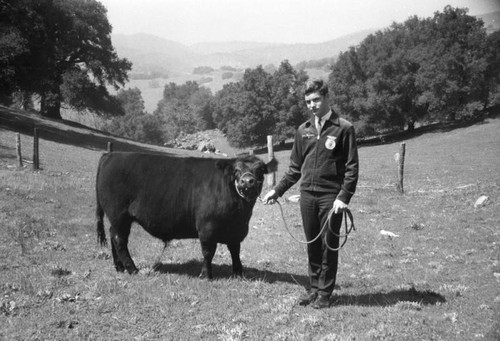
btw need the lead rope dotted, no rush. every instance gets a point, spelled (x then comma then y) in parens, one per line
(326, 225)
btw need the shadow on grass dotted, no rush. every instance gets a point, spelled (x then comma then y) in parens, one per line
(192, 268)
(391, 298)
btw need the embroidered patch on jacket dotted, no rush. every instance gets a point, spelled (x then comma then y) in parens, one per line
(330, 142)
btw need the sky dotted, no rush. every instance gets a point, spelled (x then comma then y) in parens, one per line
(270, 21)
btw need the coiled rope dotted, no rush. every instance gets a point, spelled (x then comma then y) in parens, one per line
(326, 225)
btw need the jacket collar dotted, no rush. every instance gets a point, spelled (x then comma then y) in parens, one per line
(334, 119)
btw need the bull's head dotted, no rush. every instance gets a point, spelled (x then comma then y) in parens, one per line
(248, 175)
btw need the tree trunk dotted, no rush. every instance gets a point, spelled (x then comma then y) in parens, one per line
(50, 104)
(411, 125)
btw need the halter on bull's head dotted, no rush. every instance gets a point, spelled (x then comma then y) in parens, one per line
(247, 174)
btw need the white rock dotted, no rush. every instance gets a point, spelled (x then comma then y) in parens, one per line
(294, 198)
(388, 234)
(481, 201)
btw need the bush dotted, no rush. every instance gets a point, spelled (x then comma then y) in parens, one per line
(364, 129)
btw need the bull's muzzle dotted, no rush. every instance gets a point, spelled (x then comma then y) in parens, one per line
(248, 187)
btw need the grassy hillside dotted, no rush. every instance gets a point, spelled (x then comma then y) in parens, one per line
(439, 280)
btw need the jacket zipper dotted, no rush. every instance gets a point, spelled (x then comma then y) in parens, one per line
(316, 162)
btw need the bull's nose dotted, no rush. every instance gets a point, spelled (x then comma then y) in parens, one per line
(248, 181)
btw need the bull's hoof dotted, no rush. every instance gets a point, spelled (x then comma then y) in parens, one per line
(204, 275)
(238, 274)
(133, 271)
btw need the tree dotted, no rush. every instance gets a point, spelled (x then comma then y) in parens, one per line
(453, 70)
(226, 105)
(492, 72)
(287, 99)
(63, 40)
(261, 104)
(136, 124)
(423, 69)
(131, 101)
(347, 83)
(253, 115)
(185, 108)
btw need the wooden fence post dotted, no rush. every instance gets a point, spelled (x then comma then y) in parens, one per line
(36, 158)
(271, 178)
(110, 147)
(18, 148)
(401, 166)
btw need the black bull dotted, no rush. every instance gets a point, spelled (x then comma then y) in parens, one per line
(177, 198)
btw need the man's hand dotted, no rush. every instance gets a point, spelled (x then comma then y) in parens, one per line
(339, 206)
(270, 197)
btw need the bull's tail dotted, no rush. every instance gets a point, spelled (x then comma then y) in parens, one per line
(99, 213)
(101, 234)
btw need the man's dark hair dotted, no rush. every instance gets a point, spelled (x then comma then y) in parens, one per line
(317, 85)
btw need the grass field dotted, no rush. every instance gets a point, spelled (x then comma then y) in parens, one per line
(439, 280)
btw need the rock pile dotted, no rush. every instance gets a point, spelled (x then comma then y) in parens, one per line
(202, 141)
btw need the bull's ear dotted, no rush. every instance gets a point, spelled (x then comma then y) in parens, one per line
(272, 166)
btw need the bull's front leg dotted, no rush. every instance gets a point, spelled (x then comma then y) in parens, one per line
(234, 249)
(208, 250)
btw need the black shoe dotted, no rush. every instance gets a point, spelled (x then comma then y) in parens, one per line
(307, 297)
(321, 302)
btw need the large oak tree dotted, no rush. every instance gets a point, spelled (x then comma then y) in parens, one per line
(60, 50)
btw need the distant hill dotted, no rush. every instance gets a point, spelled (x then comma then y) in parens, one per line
(149, 53)
(208, 48)
(176, 62)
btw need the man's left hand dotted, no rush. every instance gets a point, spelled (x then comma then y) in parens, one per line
(339, 206)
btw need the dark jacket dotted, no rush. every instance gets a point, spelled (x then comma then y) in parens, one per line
(328, 163)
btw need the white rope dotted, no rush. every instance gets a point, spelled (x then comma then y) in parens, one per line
(347, 214)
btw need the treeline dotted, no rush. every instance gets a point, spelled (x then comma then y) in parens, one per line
(435, 69)
(247, 111)
(420, 71)
(59, 52)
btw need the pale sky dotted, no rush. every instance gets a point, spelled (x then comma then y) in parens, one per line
(270, 21)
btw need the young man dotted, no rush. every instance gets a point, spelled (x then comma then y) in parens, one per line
(325, 158)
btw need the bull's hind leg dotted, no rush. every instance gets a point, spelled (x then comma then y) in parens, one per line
(120, 231)
(208, 249)
(234, 249)
(116, 260)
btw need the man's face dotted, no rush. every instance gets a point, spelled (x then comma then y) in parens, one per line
(317, 104)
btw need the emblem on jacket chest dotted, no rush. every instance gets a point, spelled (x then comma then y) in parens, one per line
(330, 142)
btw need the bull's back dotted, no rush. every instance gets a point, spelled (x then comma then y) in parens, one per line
(166, 195)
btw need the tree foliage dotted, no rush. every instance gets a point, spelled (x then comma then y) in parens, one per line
(261, 104)
(136, 124)
(185, 108)
(60, 50)
(417, 71)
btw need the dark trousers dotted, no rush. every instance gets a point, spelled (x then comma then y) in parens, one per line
(314, 207)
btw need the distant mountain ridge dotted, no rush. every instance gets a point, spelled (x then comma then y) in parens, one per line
(150, 53)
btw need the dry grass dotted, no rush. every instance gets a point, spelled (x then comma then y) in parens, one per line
(440, 280)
